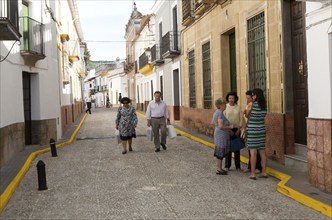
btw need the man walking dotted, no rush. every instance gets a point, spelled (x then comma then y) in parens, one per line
(88, 104)
(157, 114)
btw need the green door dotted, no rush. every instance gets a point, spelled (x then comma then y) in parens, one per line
(232, 58)
(25, 15)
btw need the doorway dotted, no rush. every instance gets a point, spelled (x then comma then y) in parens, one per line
(27, 106)
(176, 84)
(299, 60)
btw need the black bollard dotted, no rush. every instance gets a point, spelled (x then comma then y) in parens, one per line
(53, 147)
(41, 175)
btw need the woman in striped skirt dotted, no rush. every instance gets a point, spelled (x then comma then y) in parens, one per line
(256, 131)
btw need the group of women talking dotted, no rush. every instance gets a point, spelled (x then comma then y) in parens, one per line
(231, 122)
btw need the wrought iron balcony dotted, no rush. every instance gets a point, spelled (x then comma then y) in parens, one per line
(156, 58)
(129, 65)
(170, 45)
(9, 29)
(143, 60)
(104, 88)
(33, 43)
(188, 14)
(92, 91)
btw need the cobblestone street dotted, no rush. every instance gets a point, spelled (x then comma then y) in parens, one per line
(91, 179)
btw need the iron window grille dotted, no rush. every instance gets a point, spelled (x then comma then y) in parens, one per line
(206, 63)
(192, 80)
(256, 52)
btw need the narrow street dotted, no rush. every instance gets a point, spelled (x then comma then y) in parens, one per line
(91, 179)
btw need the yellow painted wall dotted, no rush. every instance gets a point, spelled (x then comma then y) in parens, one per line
(214, 27)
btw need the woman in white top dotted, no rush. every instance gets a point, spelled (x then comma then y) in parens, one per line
(234, 115)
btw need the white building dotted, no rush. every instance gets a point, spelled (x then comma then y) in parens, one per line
(146, 78)
(117, 83)
(319, 58)
(167, 51)
(38, 76)
(157, 51)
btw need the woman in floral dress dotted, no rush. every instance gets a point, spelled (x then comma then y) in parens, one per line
(221, 135)
(126, 122)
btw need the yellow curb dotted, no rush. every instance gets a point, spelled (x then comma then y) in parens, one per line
(6, 195)
(297, 196)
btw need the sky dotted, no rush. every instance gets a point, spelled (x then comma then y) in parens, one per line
(107, 22)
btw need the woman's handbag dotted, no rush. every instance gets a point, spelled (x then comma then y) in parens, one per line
(117, 136)
(149, 134)
(237, 144)
(171, 131)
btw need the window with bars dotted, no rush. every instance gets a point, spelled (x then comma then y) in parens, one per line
(192, 80)
(256, 52)
(206, 63)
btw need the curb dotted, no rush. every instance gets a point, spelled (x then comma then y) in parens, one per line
(6, 195)
(281, 187)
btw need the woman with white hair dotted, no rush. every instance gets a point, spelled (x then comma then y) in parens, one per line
(221, 135)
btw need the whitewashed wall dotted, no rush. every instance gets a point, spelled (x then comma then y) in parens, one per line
(319, 57)
(45, 99)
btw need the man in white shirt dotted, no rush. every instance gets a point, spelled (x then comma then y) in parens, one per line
(88, 104)
(157, 114)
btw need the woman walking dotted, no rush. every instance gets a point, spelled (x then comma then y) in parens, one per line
(126, 122)
(221, 135)
(256, 131)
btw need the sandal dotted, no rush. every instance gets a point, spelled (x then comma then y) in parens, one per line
(130, 149)
(264, 176)
(124, 152)
(221, 172)
(252, 177)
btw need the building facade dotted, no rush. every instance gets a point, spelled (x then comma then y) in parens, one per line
(166, 54)
(319, 41)
(241, 45)
(33, 72)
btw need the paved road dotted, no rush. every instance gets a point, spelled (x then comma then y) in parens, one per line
(91, 179)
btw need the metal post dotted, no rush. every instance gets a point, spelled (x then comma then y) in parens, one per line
(53, 147)
(41, 175)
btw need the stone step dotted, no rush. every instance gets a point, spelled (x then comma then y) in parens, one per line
(296, 162)
(301, 150)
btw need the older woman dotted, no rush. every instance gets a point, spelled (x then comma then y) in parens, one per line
(256, 131)
(234, 115)
(221, 135)
(126, 122)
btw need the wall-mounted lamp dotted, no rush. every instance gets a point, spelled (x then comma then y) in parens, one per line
(226, 14)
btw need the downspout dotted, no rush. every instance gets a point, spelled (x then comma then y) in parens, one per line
(283, 77)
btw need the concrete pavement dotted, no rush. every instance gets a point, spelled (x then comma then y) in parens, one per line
(91, 179)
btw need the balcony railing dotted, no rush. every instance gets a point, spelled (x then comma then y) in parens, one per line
(143, 60)
(129, 65)
(33, 42)
(188, 15)
(170, 45)
(9, 29)
(156, 58)
(104, 88)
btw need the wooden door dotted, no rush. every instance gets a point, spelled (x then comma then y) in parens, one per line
(27, 106)
(176, 84)
(300, 84)
(232, 57)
